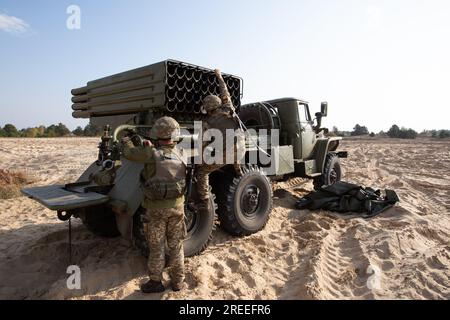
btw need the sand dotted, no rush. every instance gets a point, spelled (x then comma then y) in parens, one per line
(403, 253)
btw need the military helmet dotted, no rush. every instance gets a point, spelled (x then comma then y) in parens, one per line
(211, 103)
(166, 128)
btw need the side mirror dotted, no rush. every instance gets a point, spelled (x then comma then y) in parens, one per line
(324, 109)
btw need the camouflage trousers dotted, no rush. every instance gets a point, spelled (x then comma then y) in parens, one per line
(166, 225)
(203, 172)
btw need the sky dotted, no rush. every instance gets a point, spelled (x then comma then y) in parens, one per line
(375, 62)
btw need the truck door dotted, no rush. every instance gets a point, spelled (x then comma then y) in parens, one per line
(308, 136)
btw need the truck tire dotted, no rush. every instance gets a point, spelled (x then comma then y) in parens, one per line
(101, 221)
(199, 229)
(259, 116)
(245, 207)
(331, 172)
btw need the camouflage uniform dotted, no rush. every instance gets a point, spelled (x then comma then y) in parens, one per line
(220, 116)
(163, 183)
(166, 224)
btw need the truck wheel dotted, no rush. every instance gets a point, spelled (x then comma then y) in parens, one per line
(101, 221)
(245, 207)
(199, 228)
(331, 174)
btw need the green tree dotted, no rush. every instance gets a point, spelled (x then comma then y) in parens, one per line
(394, 132)
(359, 130)
(92, 131)
(78, 131)
(40, 132)
(403, 133)
(10, 130)
(30, 132)
(408, 134)
(50, 131)
(444, 134)
(62, 130)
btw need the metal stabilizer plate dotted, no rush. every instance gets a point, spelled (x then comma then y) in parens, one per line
(59, 198)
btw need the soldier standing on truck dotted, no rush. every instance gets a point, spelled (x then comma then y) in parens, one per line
(221, 116)
(163, 182)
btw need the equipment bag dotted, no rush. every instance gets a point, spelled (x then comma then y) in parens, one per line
(344, 197)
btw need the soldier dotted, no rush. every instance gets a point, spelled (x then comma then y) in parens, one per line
(221, 116)
(163, 181)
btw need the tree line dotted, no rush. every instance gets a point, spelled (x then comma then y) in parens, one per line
(54, 130)
(60, 130)
(394, 132)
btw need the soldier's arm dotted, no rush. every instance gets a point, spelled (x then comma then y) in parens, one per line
(140, 154)
(223, 89)
(205, 127)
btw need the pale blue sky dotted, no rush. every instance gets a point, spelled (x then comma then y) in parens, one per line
(375, 62)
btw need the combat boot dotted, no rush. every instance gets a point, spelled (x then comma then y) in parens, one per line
(179, 286)
(152, 287)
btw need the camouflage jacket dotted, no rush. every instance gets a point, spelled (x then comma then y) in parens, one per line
(146, 155)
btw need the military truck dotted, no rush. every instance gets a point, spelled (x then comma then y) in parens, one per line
(240, 204)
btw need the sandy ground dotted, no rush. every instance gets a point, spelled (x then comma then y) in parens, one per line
(402, 254)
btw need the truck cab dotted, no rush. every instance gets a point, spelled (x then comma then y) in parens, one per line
(298, 126)
(299, 133)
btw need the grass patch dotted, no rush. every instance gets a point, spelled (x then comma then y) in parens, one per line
(11, 182)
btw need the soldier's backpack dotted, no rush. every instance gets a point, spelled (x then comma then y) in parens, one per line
(169, 182)
(344, 197)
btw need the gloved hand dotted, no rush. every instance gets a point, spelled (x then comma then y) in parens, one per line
(130, 132)
(125, 140)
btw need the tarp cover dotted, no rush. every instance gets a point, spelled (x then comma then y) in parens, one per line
(344, 197)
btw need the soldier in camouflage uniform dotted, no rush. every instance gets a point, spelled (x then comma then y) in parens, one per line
(221, 116)
(163, 181)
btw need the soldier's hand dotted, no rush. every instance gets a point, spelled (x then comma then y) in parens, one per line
(218, 73)
(225, 98)
(125, 140)
(130, 132)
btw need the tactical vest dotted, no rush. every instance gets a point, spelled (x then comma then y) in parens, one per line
(222, 121)
(169, 181)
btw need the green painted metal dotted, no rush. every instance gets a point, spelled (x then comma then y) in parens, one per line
(168, 86)
(58, 198)
(322, 148)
